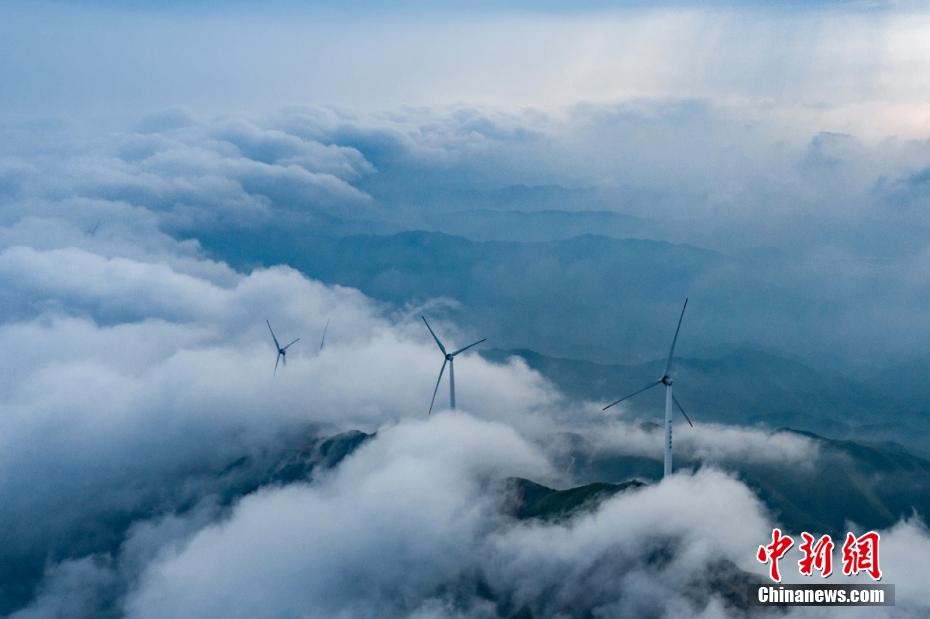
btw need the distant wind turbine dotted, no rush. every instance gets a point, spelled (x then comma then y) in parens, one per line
(282, 351)
(323, 339)
(670, 398)
(448, 357)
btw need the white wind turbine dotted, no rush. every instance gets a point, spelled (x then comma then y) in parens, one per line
(282, 350)
(670, 398)
(448, 357)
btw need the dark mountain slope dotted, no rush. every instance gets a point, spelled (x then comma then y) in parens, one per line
(742, 387)
(872, 485)
(296, 458)
(527, 499)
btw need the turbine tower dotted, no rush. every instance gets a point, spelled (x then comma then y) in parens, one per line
(448, 357)
(282, 351)
(670, 398)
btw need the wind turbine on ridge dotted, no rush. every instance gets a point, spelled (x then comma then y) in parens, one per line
(448, 357)
(670, 398)
(282, 351)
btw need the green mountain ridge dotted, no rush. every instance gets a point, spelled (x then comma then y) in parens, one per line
(528, 500)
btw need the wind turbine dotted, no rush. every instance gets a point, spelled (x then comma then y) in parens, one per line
(448, 357)
(282, 351)
(323, 339)
(670, 398)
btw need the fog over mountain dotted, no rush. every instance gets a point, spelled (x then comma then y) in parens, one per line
(556, 179)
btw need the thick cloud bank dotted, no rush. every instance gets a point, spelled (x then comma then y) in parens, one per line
(96, 414)
(135, 370)
(393, 527)
(411, 525)
(408, 524)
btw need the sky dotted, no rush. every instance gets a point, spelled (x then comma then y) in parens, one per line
(771, 157)
(854, 67)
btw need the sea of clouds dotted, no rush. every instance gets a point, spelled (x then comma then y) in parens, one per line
(136, 368)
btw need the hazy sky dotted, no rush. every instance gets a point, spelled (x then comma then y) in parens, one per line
(858, 67)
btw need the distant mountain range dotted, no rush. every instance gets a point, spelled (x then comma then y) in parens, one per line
(536, 226)
(743, 387)
(589, 296)
(605, 299)
(581, 297)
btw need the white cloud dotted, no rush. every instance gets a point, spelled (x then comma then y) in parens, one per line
(705, 442)
(136, 374)
(389, 529)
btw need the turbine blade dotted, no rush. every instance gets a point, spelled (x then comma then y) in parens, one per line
(291, 344)
(469, 346)
(323, 339)
(436, 389)
(438, 343)
(276, 361)
(682, 409)
(278, 346)
(627, 397)
(671, 352)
